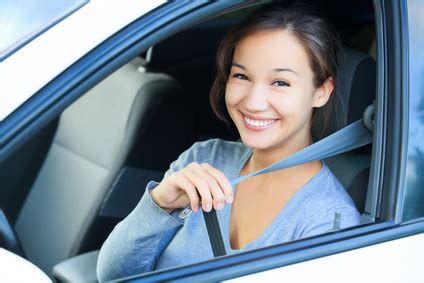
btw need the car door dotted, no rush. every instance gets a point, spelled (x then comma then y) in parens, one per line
(397, 155)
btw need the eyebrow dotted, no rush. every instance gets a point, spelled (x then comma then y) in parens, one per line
(274, 70)
(286, 70)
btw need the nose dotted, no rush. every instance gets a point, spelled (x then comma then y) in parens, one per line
(256, 101)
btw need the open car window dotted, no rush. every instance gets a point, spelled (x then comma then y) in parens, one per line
(193, 67)
(359, 41)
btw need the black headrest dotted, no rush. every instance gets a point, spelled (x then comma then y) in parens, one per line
(355, 86)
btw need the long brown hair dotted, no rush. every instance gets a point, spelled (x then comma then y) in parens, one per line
(315, 34)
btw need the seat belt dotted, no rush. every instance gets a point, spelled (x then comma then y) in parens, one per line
(350, 137)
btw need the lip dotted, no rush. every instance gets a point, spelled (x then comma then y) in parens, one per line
(254, 128)
(257, 117)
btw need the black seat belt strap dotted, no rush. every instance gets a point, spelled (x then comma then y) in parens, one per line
(214, 232)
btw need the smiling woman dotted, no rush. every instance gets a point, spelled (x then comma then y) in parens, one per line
(272, 79)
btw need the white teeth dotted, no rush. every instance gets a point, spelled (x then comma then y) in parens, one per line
(259, 123)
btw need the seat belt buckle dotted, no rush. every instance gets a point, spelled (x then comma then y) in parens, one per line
(185, 212)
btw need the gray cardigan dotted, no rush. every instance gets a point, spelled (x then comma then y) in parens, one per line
(149, 238)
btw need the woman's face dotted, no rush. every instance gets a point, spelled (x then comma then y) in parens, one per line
(270, 93)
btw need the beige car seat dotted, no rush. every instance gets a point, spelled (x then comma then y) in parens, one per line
(94, 137)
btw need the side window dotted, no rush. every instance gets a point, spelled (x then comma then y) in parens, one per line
(193, 66)
(22, 22)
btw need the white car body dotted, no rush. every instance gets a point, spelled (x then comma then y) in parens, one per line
(401, 258)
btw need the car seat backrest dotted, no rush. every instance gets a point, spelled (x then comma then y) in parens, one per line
(355, 87)
(92, 142)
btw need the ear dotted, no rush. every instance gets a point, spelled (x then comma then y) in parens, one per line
(322, 93)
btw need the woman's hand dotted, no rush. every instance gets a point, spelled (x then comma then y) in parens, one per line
(197, 184)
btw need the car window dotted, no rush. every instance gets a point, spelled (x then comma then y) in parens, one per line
(22, 21)
(193, 68)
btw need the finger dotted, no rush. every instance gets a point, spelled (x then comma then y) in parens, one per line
(217, 192)
(223, 182)
(182, 182)
(202, 188)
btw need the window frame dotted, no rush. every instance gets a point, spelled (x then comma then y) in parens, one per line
(386, 179)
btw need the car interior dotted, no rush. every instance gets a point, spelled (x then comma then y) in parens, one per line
(65, 189)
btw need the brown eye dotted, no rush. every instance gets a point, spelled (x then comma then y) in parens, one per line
(280, 83)
(240, 76)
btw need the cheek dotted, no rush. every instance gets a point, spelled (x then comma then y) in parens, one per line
(233, 95)
(292, 105)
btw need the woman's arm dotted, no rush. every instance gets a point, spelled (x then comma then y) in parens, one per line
(137, 242)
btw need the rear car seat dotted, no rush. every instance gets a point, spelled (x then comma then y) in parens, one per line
(91, 145)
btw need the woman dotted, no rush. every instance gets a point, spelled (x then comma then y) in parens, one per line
(276, 74)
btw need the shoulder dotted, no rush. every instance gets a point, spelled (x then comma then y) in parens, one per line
(215, 151)
(326, 198)
(218, 144)
(328, 191)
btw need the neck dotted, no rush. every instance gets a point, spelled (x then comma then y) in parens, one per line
(262, 158)
(293, 177)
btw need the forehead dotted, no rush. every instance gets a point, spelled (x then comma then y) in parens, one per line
(272, 48)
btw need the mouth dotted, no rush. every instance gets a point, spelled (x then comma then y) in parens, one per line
(258, 124)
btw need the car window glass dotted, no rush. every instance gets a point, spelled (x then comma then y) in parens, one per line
(22, 21)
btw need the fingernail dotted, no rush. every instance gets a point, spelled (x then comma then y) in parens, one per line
(208, 207)
(229, 199)
(220, 205)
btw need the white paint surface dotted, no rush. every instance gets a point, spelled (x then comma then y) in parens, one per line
(400, 260)
(13, 269)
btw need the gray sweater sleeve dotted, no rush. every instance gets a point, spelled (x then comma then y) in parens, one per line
(324, 221)
(137, 242)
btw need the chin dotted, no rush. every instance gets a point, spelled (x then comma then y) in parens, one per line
(256, 142)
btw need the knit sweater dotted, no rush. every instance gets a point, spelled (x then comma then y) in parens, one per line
(150, 238)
